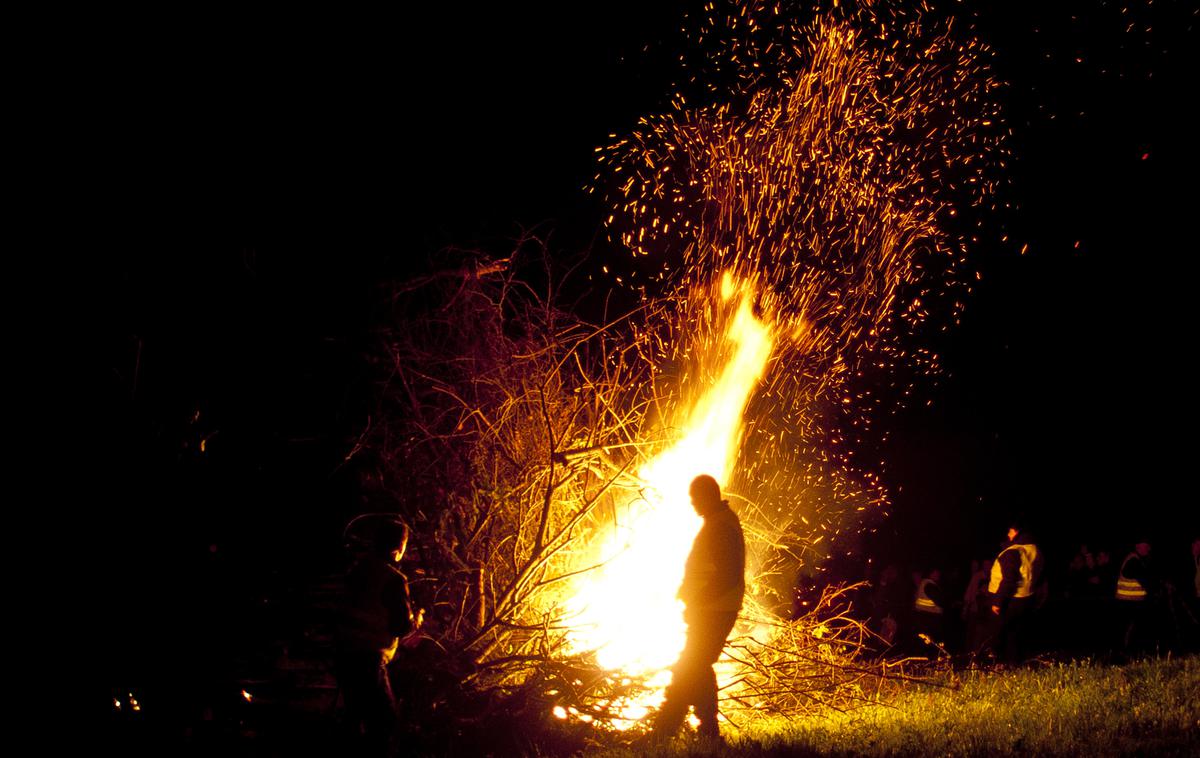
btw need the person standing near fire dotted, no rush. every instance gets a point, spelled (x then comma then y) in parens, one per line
(376, 617)
(1014, 578)
(713, 587)
(1139, 592)
(929, 604)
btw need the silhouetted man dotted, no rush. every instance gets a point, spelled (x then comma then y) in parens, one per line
(712, 590)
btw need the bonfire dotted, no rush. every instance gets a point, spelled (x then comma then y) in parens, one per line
(806, 198)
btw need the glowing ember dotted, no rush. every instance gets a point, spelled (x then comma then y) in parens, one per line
(820, 174)
(835, 161)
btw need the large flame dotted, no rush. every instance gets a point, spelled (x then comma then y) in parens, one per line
(628, 611)
(808, 179)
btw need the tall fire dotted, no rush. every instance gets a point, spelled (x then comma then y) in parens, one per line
(825, 178)
(627, 610)
(799, 215)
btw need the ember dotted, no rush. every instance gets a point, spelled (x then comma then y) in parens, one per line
(827, 217)
(800, 218)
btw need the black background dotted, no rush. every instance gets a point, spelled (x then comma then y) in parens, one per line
(245, 185)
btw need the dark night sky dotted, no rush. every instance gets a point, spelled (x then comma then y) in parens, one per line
(251, 181)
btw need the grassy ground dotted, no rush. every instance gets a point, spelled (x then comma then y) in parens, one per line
(1143, 708)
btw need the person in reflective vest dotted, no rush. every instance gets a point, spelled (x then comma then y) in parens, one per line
(714, 584)
(1129, 577)
(1136, 584)
(928, 607)
(1015, 574)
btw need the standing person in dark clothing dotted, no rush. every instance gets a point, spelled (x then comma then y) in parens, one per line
(376, 615)
(1105, 577)
(975, 611)
(1191, 605)
(1014, 578)
(1081, 607)
(1081, 569)
(888, 605)
(713, 586)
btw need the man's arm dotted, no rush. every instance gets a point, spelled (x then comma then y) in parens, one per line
(728, 557)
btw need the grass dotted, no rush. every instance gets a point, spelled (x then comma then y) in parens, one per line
(1147, 707)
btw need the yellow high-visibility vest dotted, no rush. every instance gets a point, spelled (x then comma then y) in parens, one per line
(1129, 589)
(1025, 581)
(924, 603)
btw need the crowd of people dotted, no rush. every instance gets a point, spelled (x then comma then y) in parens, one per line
(1022, 602)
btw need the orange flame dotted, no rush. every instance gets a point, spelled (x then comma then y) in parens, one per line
(628, 611)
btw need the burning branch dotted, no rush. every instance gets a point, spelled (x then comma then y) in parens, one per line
(509, 425)
(808, 213)
(516, 440)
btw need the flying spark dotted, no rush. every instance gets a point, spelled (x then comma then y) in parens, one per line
(831, 170)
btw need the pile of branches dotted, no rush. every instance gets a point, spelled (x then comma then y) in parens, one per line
(826, 659)
(504, 427)
(507, 433)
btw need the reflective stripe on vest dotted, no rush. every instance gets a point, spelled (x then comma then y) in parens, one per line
(1129, 589)
(1024, 587)
(924, 603)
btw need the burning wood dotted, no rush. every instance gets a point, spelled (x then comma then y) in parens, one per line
(544, 461)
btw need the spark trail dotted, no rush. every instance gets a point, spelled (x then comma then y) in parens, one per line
(839, 163)
(825, 169)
